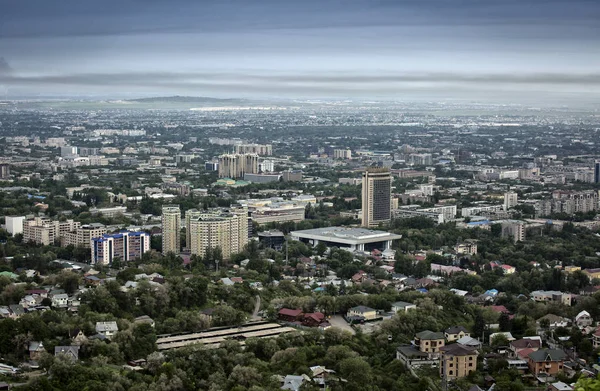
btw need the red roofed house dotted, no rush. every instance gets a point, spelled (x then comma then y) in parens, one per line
(500, 309)
(289, 315)
(314, 319)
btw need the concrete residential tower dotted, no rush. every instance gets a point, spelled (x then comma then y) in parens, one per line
(171, 228)
(376, 197)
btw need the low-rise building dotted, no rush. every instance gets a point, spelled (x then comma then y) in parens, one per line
(548, 361)
(362, 311)
(455, 333)
(107, 329)
(352, 239)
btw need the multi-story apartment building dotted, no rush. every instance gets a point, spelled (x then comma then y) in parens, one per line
(83, 235)
(342, 154)
(46, 231)
(236, 165)
(226, 229)
(510, 200)
(457, 361)
(260, 149)
(14, 224)
(126, 245)
(4, 171)
(171, 228)
(482, 209)
(376, 197)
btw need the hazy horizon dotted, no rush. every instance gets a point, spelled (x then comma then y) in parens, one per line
(510, 51)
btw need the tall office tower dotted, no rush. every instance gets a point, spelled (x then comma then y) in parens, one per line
(376, 197)
(510, 200)
(597, 172)
(236, 165)
(226, 229)
(171, 228)
(4, 171)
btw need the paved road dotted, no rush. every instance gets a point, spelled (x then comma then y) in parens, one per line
(256, 309)
(338, 321)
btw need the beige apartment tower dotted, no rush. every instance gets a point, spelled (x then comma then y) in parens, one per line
(227, 230)
(171, 228)
(236, 165)
(376, 197)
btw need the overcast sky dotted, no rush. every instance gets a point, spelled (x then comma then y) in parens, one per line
(401, 49)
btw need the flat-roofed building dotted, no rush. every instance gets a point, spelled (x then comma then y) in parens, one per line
(352, 239)
(126, 245)
(82, 236)
(46, 231)
(223, 228)
(171, 229)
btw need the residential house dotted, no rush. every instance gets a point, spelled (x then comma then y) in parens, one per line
(560, 386)
(36, 348)
(314, 319)
(531, 345)
(294, 382)
(16, 310)
(289, 315)
(470, 341)
(71, 352)
(583, 319)
(551, 296)
(457, 361)
(60, 300)
(402, 306)
(362, 311)
(429, 342)
(548, 361)
(554, 321)
(107, 329)
(77, 336)
(455, 333)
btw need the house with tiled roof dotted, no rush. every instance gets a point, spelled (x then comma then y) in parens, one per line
(550, 361)
(524, 343)
(455, 333)
(429, 341)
